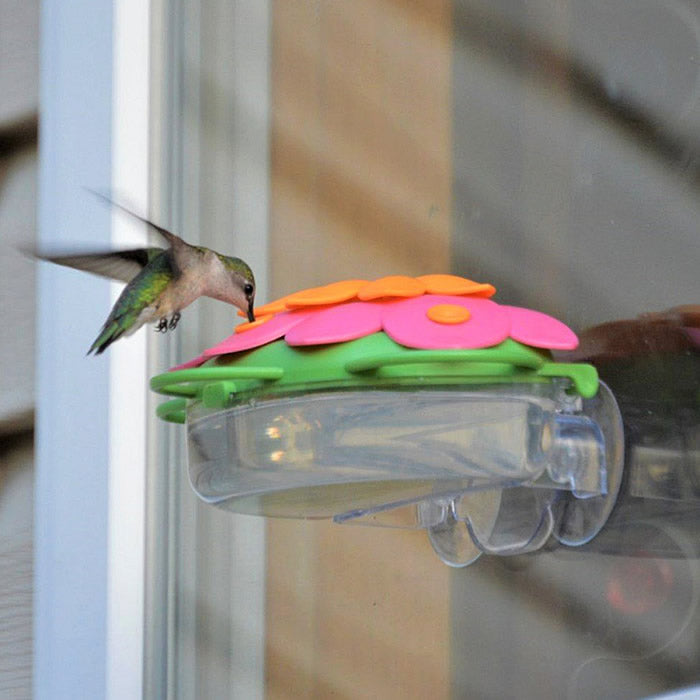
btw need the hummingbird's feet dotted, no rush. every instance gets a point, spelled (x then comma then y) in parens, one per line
(163, 325)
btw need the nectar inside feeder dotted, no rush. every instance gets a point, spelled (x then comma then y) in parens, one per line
(405, 402)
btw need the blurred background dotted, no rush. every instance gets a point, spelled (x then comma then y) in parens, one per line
(19, 116)
(549, 147)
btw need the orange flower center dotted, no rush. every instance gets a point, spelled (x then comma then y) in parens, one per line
(448, 314)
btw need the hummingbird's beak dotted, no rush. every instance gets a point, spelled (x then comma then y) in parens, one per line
(251, 315)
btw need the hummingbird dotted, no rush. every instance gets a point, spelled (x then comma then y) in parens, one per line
(161, 282)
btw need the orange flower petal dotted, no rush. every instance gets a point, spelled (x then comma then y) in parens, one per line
(334, 293)
(448, 314)
(392, 286)
(259, 320)
(274, 307)
(482, 290)
(456, 286)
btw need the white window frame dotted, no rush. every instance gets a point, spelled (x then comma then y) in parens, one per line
(91, 412)
(226, 44)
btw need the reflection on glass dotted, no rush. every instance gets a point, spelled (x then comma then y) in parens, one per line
(652, 364)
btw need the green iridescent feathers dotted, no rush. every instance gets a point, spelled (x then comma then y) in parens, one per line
(141, 293)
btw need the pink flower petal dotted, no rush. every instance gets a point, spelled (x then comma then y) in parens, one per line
(540, 330)
(271, 330)
(407, 323)
(338, 324)
(190, 364)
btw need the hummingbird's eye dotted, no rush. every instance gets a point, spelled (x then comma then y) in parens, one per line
(248, 289)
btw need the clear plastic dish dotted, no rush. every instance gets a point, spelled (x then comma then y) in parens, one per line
(493, 468)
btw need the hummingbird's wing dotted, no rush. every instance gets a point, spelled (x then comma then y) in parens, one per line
(121, 265)
(174, 241)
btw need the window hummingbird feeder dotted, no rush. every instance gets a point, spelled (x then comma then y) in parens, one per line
(405, 402)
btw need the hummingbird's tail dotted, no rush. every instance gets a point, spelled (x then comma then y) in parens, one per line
(136, 304)
(111, 331)
(118, 323)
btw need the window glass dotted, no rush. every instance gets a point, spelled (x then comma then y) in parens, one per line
(545, 147)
